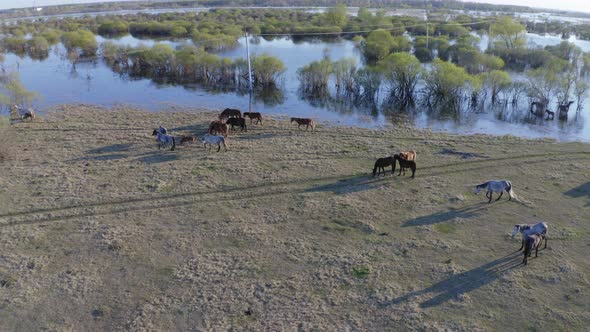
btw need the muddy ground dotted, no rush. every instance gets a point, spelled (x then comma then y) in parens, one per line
(99, 230)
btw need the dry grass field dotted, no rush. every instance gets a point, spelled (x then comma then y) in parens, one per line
(101, 231)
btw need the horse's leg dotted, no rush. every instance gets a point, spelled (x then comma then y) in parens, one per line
(501, 193)
(218, 147)
(521, 245)
(545, 236)
(491, 194)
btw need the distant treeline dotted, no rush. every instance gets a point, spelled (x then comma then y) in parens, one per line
(131, 5)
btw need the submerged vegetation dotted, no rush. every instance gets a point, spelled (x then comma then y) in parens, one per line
(396, 49)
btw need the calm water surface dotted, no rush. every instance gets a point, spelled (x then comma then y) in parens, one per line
(94, 83)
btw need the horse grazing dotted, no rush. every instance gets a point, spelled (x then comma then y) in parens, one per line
(24, 113)
(164, 140)
(162, 130)
(563, 109)
(532, 241)
(254, 115)
(230, 112)
(403, 164)
(240, 122)
(304, 122)
(214, 140)
(188, 139)
(495, 186)
(217, 127)
(526, 230)
(381, 163)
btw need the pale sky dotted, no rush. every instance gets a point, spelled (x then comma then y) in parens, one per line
(577, 5)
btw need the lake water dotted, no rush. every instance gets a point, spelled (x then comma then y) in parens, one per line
(95, 83)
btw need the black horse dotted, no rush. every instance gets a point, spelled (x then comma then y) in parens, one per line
(403, 164)
(239, 122)
(381, 163)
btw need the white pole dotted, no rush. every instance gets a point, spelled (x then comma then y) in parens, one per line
(249, 65)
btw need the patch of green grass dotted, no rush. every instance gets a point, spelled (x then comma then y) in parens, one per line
(361, 272)
(445, 228)
(4, 121)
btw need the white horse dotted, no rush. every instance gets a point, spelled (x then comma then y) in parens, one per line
(214, 140)
(495, 186)
(24, 113)
(164, 140)
(526, 230)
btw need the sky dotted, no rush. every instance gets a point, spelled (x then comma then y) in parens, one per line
(577, 5)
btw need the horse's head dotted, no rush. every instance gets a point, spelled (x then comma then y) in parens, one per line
(477, 189)
(155, 132)
(516, 230)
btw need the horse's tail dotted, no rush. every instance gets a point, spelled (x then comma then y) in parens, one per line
(509, 189)
(173, 143)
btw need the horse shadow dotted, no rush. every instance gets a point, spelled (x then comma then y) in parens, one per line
(462, 283)
(157, 157)
(580, 191)
(466, 212)
(256, 136)
(123, 147)
(348, 185)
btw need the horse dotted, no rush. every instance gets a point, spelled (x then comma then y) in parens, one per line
(381, 163)
(550, 115)
(526, 230)
(403, 164)
(162, 130)
(539, 107)
(24, 113)
(254, 115)
(164, 140)
(408, 155)
(563, 109)
(230, 112)
(304, 122)
(532, 241)
(217, 127)
(188, 139)
(240, 122)
(214, 139)
(495, 186)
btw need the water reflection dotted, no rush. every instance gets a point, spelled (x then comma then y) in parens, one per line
(58, 81)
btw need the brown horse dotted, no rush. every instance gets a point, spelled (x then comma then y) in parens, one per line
(254, 115)
(304, 122)
(230, 112)
(188, 139)
(218, 127)
(403, 164)
(408, 155)
(240, 122)
(381, 163)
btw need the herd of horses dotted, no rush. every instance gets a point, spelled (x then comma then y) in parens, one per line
(229, 119)
(219, 129)
(540, 108)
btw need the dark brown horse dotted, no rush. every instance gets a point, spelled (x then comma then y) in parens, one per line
(563, 109)
(304, 122)
(230, 112)
(403, 164)
(240, 122)
(217, 127)
(254, 115)
(381, 163)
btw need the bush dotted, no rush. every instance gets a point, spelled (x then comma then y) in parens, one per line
(83, 40)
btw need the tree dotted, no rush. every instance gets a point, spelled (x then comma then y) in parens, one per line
(496, 81)
(378, 44)
(267, 69)
(314, 77)
(446, 81)
(344, 70)
(402, 71)
(543, 81)
(16, 92)
(338, 15)
(509, 33)
(580, 91)
(82, 40)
